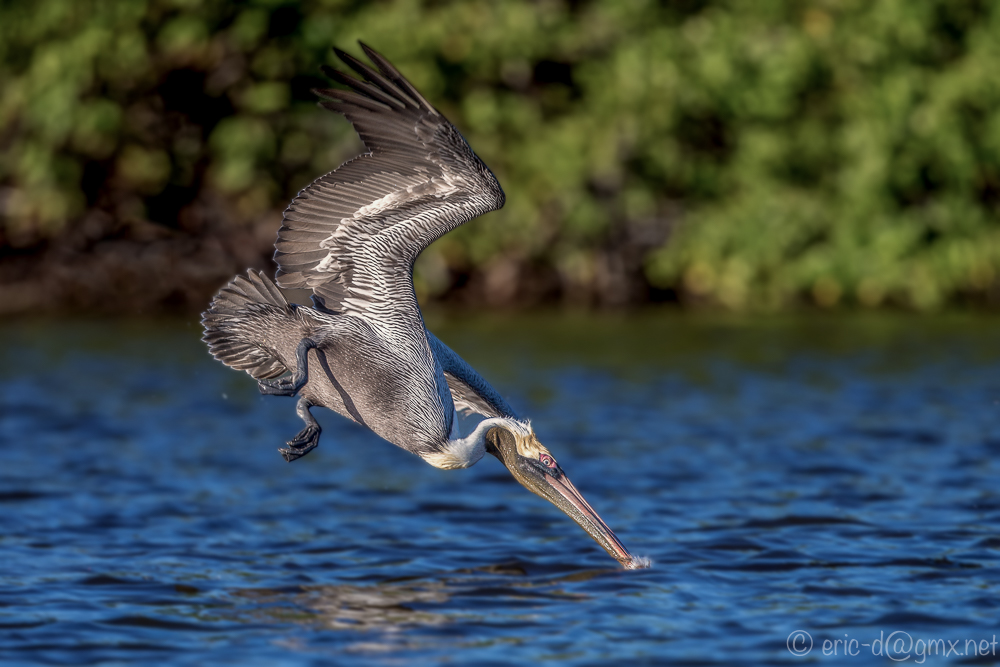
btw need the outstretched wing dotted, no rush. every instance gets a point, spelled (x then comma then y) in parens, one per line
(352, 236)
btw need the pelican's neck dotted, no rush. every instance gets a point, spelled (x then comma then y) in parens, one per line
(464, 452)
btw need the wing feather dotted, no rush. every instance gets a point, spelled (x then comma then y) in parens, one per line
(352, 235)
(393, 75)
(374, 77)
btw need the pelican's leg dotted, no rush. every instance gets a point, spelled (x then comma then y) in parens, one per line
(307, 439)
(289, 386)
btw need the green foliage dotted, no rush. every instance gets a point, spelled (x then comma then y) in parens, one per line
(751, 154)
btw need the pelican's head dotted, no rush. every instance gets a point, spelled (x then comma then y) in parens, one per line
(534, 466)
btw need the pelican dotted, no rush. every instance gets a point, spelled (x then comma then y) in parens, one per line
(362, 349)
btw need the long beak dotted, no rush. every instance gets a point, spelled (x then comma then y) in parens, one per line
(559, 491)
(580, 511)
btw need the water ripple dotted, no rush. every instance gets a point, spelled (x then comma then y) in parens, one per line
(837, 478)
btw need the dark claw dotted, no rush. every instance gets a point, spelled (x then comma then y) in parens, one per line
(303, 443)
(279, 387)
(289, 386)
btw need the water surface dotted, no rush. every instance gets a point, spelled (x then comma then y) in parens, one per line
(835, 476)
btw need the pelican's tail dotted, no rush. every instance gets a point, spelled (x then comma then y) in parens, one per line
(249, 323)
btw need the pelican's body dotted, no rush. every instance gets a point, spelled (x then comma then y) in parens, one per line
(363, 351)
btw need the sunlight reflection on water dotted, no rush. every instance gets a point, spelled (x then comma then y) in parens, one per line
(834, 475)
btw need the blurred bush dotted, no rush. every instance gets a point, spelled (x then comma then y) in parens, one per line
(750, 154)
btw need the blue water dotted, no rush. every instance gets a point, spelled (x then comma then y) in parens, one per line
(834, 476)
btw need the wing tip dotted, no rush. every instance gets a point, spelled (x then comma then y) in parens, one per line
(394, 77)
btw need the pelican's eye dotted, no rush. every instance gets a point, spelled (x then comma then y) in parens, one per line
(547, 460)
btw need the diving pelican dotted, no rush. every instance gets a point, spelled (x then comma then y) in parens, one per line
(362, 350)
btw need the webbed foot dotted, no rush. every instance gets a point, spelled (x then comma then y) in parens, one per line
(303, 443)
(279, 387)
(289, 386)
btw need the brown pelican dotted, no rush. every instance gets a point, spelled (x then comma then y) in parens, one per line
(362, 350)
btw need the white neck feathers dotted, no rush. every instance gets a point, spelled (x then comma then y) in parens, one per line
(464, 452)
